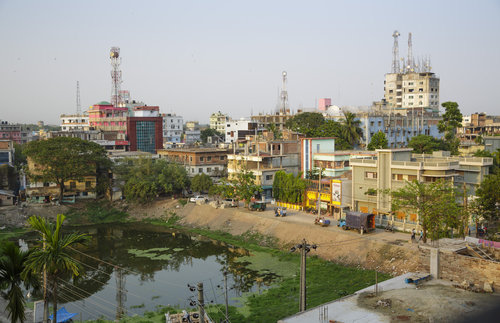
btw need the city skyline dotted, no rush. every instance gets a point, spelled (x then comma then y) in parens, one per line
(196, 58)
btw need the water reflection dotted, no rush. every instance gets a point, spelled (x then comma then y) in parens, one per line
(130, 268)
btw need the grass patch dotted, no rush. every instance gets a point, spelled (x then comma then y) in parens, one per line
(11, 233)
(183, 202)
(96, 212)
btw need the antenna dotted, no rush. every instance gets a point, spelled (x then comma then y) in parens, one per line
(116, 76)
(410, 65)
(395, 53)
(284, 95)
(78, 105)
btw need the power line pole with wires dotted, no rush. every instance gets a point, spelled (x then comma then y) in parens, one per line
(304, 250)
(200, 302)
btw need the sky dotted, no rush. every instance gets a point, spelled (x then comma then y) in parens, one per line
(193, 58)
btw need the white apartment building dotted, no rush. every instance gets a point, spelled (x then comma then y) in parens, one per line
(239, 129)
(172, 128)
(74, 122)
(218, 121)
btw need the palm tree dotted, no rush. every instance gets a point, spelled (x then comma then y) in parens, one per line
(12, 264)
(351, 130)
(54, 257)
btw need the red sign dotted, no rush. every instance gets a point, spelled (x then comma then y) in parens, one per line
(120, 142)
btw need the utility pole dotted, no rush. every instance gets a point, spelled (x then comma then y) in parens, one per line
(45, 294)
(304, 249)
(200, 303)
(466, 222)
(225, 294)
(318, 204)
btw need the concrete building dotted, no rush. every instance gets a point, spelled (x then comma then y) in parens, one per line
(74, 122)
(10, 131)
(238, 129)
(264, 158)
(145, 133)
(172, 128)
(324, 104)
(391, 168)
(7, 152)
(209, 161)
(265, 120)
(218, 121)
(311, 146)
(104, 116)
(192, 136)
(492, 143)
(412, 93)
(146, 111)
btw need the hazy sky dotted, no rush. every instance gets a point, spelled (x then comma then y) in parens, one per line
(196, 57)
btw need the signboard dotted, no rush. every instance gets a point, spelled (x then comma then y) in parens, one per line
(336, 192)
(38, 315)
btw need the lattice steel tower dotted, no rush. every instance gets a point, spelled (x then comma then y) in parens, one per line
(284, 95)
(78, 104)
(395, 53)
(116, 76)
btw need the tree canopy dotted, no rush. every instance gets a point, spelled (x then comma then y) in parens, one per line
(209, 132)
(378, 141)
(305, 123)
(424, 144)
(288, 188)
(143, 179)
(201, 183)
(241, 186)
(488, 197)
(451, 120)
(435, 203)
(65, 158)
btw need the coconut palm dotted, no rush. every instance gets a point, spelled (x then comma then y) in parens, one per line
(12, 264)
(54, 257)
(351, 130)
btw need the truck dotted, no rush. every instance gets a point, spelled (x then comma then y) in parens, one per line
(364, 222)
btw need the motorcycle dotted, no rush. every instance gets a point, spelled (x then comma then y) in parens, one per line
(389, 228)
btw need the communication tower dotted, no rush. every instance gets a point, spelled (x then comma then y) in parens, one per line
(78, 104)
(410, 67)
(116, 76)
(395, 53)
(284, 95)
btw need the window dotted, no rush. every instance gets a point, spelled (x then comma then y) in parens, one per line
(397, 177)
(209, 158)
(391, 91)
(379, 123)
(317, 148)
(269, 177)
(412, 178)
(191, 158)
(410, 90)
(410, 97)
(216, 168)
(420, 96)
(209, 169)
(222, 157)
(202, 159)
(371, 124)
(200, 170)
(420, 90)
(46, 184)
(72, 185)
(88, 185)
(371, 175)
(410, 83)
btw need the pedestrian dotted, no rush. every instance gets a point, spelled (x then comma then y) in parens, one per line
(421, 235)
(413, 234)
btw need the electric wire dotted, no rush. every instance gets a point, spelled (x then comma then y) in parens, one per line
(129, 270)
(98, 307)
(125, 291)
(83, 292)
(81, 307)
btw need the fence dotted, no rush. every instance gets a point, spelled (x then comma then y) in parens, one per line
(290, 206)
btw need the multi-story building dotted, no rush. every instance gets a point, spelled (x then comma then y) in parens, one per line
(74, 122)
(278, 119)
(209, 161)
(238, 129)
(218, 121)
(10, 131)
(264, 158)
(145, 133)
(39, 192)
(172, 128)
(410, 93)
(106, 117)
(7, 152)
(192, 136)
(391, 168)
(309, 147)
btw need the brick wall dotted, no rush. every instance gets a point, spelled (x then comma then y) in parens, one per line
(457, 268)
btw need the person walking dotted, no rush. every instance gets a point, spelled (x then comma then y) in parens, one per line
(413, 234)
(421, 235)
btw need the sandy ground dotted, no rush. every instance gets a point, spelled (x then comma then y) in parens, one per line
(431, 302)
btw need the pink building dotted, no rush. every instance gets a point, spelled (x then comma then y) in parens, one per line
(104, 116)
(323, 104)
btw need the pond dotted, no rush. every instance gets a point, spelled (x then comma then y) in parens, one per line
(133, 268)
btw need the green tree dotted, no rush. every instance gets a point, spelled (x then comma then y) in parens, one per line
(209, 132)
(201, 183)
(351, 130)
(494, 169)
(54, 257)
(12, 264)
(314, 173)
(488, 197)
(241, 186)
(306, 123)
(435, 203)
(332, 128)
(378, 141)
(275, 130)
(19, 156)
(288, 188)
(451, 120)
(62, 159)
(423, 144)
(144, 179)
